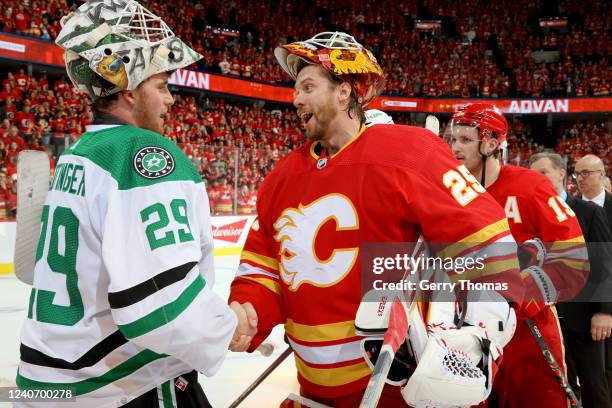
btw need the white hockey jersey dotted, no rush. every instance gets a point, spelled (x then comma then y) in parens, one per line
(122, 298)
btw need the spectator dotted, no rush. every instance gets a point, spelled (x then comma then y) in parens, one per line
(5, 194)
(587, 323)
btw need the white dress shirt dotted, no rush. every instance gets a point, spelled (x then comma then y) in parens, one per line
(598, 199)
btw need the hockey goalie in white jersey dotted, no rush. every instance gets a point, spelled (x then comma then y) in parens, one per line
(121, 309)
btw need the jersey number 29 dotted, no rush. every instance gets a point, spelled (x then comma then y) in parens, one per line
(61, 258)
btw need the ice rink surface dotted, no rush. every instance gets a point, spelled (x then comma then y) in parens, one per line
(238, 371)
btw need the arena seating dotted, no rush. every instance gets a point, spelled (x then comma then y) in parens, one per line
(492, 55)
(233, 145)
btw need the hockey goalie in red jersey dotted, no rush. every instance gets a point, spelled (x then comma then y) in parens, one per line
(349, 185)
(554, 260)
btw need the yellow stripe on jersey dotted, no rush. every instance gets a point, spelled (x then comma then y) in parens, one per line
(491, 268)
(488, 232)
(333, 377)
(575, 240)
(268, 283)
(477, 238)
(260, 259)
(321, 332)
(583, 265)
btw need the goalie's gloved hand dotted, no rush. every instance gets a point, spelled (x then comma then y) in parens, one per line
(539, 294)
(403, 364)
(531, 252)
(528, 308)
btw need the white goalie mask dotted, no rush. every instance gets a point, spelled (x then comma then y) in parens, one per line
(114, 45)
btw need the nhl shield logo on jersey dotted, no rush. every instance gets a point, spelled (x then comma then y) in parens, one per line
(153, 162)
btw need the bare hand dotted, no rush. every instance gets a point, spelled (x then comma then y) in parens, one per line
(247, 326)
(601, 326)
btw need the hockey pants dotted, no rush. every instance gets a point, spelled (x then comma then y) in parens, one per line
(525, 379)
(181, 392)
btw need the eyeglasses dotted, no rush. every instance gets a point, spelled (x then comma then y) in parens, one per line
(584, 174)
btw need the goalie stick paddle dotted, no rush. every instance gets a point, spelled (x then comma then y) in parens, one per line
(552, 362)
(32, 188)
(394, 337)
(433, 124)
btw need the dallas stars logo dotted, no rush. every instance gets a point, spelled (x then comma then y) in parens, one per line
(153, 162)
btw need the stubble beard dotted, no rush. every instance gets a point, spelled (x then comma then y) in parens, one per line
(324, 119)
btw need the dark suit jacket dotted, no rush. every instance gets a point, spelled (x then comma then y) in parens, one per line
(598, 235)
(608, 209)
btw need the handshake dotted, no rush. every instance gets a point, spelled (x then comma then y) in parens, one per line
(247, 326)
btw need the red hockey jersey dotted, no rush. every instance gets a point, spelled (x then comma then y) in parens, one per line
(534, 210)
(301, 266)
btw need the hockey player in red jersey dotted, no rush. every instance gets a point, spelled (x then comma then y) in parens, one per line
(553, 257)
(346, 186)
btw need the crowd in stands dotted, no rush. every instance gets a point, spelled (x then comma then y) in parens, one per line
(233, 145)
(581, 137)
(484, 49)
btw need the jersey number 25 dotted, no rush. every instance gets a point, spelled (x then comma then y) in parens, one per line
(462, 184)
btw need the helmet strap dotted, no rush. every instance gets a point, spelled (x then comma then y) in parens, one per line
(484, 161)
(484, 169)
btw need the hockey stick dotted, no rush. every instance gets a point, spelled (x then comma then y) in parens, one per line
(552, 362)
(394, 337)
(32, 187)
(262, 377)
(433, 124)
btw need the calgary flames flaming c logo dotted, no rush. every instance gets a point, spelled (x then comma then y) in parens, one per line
(297, 230)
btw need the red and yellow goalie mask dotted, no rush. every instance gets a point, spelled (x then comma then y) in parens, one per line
(341, 55)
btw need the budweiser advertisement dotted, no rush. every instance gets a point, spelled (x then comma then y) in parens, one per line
(20, 48)
(230, 232)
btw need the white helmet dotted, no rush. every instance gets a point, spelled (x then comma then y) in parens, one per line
(375, 117)
(114, 45)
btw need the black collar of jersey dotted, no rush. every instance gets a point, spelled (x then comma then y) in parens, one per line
(319, 150)
(104, 118)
